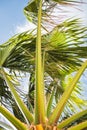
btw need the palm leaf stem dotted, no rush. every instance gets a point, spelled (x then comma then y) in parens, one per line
(28, 116)
(19, 125)
(71, 119)
(39, 93)
(60, 106)
(80, 126)
(49, 106)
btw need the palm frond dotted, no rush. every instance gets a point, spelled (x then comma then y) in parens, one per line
(72, 118)
(60, 106)
(17, 123)
(64, 47)
(49, 9)
(27, 115)
(60, 47)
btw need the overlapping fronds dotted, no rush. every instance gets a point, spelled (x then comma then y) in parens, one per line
(52, 11)
(64, 48)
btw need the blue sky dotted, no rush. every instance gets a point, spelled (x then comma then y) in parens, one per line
(12, 19)
(11, 15)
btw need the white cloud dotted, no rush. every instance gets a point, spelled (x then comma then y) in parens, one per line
(27, 26)
(24, 27)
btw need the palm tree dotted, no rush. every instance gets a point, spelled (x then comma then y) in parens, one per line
(55, 59)
(59, 49)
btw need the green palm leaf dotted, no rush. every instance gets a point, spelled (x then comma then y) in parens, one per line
(72, 118)
(48, 11)
(64, 52)
(60, 106)
(27, 115)
(79, 126)
(19, 125)
(61, 55)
